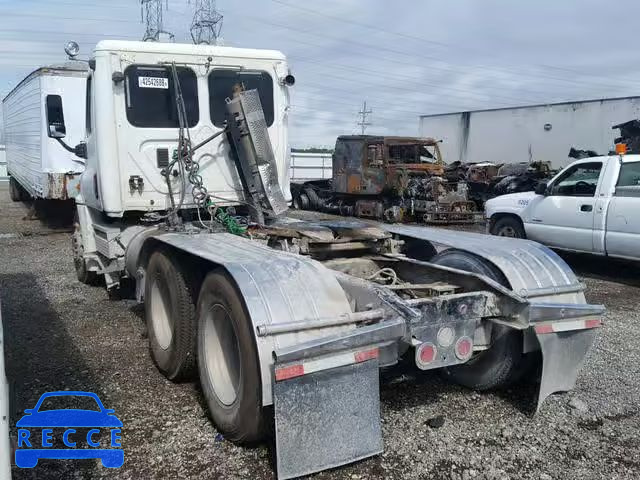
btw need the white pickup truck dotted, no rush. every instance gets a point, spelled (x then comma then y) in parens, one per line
(593, 206)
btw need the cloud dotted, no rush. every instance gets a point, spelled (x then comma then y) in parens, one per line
(403, 58)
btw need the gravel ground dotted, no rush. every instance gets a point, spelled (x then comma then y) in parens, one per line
(61, 334)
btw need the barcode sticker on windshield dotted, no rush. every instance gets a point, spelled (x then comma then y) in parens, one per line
(153, 82)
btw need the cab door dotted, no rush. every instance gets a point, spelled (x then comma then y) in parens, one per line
(622, 236)
(564, 217)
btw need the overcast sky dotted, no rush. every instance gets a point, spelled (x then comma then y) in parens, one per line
(405, 58)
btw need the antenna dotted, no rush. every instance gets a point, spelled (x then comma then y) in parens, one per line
(207, 22)
(151, 11)
(363, 113)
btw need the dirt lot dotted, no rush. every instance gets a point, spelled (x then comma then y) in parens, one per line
(61, 335)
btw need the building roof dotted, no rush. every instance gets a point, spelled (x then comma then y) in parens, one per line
(187, 49)
(518, 107)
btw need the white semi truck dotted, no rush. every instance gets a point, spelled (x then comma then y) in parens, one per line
(36, 113)
(185, 192)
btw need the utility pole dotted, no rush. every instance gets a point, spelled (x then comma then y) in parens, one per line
(207, 22)
(151, 11)
(363, 114)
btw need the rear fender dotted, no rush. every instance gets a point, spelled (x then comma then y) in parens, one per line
(277, 287)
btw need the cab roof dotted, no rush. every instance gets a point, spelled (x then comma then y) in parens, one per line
(187, 49)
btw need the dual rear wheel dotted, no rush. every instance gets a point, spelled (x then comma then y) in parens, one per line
(204, 327)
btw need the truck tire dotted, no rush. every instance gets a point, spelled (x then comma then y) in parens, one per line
(85, 276)
(228, 361)
(503, 363)
(170, 316)
(418, 249)
(14, 190)
(508, 227)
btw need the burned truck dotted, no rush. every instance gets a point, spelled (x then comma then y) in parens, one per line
(396, 179)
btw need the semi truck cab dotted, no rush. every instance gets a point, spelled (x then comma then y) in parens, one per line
(132, 120)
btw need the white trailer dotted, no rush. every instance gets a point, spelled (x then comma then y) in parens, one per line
(530, 133)
(185, 193)
(35, 114)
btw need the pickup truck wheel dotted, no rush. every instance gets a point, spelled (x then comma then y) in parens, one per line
(508, 227)
(170, 316)
(14, 190)
(85, 276)
(228, 361)
(503, 363)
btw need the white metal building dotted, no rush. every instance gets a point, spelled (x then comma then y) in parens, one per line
(530, 133)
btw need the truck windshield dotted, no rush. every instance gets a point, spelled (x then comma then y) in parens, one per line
(150, 96)
(222, 83)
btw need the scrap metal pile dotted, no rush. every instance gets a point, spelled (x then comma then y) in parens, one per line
(488, 180)
(404, 179)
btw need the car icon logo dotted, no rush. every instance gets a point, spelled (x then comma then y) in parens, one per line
(70, 424)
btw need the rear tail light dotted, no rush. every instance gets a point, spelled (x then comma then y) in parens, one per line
(426, 354)
(464, 348)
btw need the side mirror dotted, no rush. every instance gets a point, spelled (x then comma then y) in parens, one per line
(541, 188)
(109, 411)
(55, 117)
(57, 130)
(28, 411)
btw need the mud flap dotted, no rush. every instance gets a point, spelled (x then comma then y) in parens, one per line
(563, 354)
(327, 418)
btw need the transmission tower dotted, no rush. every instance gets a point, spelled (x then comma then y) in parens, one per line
(207, 22)
(363, 117)
(152, 11)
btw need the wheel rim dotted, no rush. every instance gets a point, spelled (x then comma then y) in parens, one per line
(160, 317)
(507, 232)
(222, 353)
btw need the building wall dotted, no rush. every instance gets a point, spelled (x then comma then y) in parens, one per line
(519, 135)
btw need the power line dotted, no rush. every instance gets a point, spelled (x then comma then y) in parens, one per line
(422, 39)
(77, 19)
(448, 69)
(363, 117)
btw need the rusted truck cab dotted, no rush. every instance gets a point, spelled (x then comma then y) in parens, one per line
(372, 165)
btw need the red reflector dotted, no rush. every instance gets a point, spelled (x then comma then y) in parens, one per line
(596, 322)
(366, 355)
(464, 348)
(427, 353)
(544, 328)
(292, 371)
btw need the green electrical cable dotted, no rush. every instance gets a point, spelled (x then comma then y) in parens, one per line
(229, 222)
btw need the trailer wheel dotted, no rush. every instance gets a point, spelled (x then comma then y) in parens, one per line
(85, 276)
(170, 316)
(508, 227)
(14, 190)
(503, 363)
(228, 360)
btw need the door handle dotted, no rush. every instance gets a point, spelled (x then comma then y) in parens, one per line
(586, 208)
